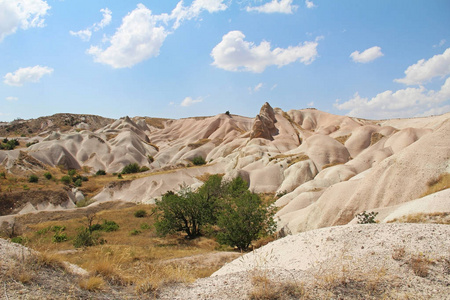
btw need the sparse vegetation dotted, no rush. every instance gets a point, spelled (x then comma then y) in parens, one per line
(33, 178)
(48, 175)
(140, 213)
(366, 217)
(66, 179)
(198, 161)
(100, 173)
(440, 183)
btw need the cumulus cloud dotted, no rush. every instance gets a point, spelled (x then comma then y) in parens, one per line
(425, 70)
(86, 34)
(233, 53)
(309, 4)
(137, 39)
(367, 55)
(275, 6)
(11, 99)
(24, 75)
(188, 101)
(181, 13)
(22, 14)
(142, 34)
(407, 102)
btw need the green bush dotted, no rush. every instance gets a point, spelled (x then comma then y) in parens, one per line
(19, 240)
(57, 228)
(145, 226)
(135, 232)
(86, 238)
(119, 176)
(109, 226)
(66, 179)
(48, 175)
(100, 173)
(33, 178)
(131, 168)
(150, 158)
(59, 237)
(140, 213)
(72, 172)
(198, 160)
(144, 169)
(78, 182)
(366, 217)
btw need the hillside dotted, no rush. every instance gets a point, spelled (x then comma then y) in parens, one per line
(327, 168)
(320, 170)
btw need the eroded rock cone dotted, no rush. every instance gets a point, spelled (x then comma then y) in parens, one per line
(264, 124)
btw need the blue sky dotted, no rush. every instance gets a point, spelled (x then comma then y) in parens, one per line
(175, 59)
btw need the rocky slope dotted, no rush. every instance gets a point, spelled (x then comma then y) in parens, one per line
(328, 167)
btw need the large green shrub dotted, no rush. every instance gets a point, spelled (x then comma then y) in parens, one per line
(48, 175)
(198, 160)
(131, 168)
(33, 178)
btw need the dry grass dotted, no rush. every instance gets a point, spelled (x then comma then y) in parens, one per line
(199, 143)
(142, 260)
(291, 158)
(398, 253)
(343, 138)
(431, 218)
(375, 138)
(92, 284)
(440, 183)
(420, 265)
(265, 288)
(332, 164)
(156, 122)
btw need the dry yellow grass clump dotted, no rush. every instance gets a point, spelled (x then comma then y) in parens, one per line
(440, 183)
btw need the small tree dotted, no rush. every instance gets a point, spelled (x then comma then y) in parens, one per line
(243, 219)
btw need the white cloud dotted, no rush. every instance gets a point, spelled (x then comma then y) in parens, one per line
(11, 98)
(181, 13)
(311, 104)
(142, 34)
(441, 43)
(21, 13)
(258, 87)
(424, 70)
(273, 87)
(86, 34)
(107, 17)
(309, 4)
(137, 39)
(367, 55)
(275, 6)
(233, 53)
(188, 101)
(407, 102)
(23, 75)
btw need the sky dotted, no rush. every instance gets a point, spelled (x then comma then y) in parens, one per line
(374, 59)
